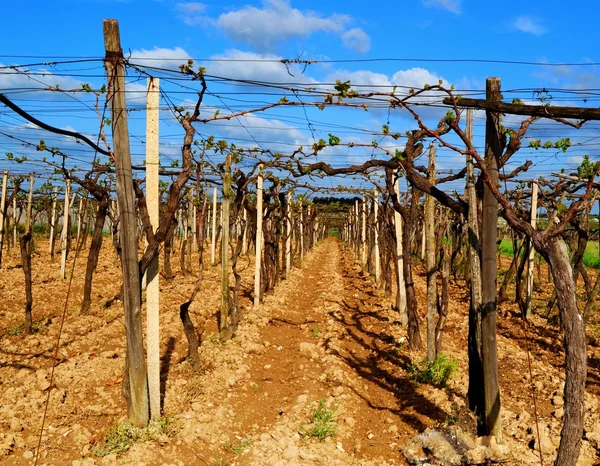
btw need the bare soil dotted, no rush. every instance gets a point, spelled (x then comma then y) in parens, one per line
(325, 335)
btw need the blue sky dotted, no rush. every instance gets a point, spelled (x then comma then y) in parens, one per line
(453, 40)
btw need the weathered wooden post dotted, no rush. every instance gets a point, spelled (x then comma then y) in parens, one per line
(475, 390)
(213, 236)
(152, 275)
(400, 259)
(64, 233)
(431, 260)
(363, 233)
(29, 204)
(245, 235)
(79, 220)
(530, 259)
(53, 221)
(259, 222)
(301, 231)
(489, 232)
(2, 209)
(224, 315)
(376, 236)
(135, 381)
(288, 236)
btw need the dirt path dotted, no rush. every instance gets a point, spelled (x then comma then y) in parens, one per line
(328, 338)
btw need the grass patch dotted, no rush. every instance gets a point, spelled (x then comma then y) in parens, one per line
(38, 326)
(237, 447)
(194, 388)
(436, 373)
(323, 423)
(591, 256)
(315, 332)
(506, 247)
(119, 438)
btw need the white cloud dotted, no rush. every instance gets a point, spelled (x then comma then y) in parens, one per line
(366, 80)
(160, 57)
(35, 80)
(237, 64)
(191, 7)
(191, 13)
(356, 39)
(264, 27)
(575, 159)
(529, 25)
(414, 78)
(453, 6)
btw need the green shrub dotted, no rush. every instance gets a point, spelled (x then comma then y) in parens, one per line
(436, 373)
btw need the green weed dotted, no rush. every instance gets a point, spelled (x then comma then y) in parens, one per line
(315, 332)
(436, 373)
(453, 416)
(323, 424)
(237, 447)
(119, 438)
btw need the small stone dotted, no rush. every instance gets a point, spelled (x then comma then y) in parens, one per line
(16, 425)
(302, 399)
(350, 421)
(370, 436)
(393, 429)
(255, 348)
(28, 455)
(523, 417)
(338, 391)
(290, 452)
(196, 406)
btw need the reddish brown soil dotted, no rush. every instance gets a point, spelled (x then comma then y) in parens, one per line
(327, 334)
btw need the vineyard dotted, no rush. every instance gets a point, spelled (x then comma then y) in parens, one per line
(189, 278)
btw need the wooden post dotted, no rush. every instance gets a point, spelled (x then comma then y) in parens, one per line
(288, 236)
(79, 214)
(213, 236)
(245, 235)
(489, 232)
(423, 242)
(15, 219)
(301, 231)
(259, 222)
(431, 261)
(224, 317)
(65, 231)
(475, 390)
(152, 275)
(530, 259)
(53, 221)
(193, 221)
(400, 260)
(135, 378)
(376, 242)
(2, 209)
(28, 225)
(363, 233)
